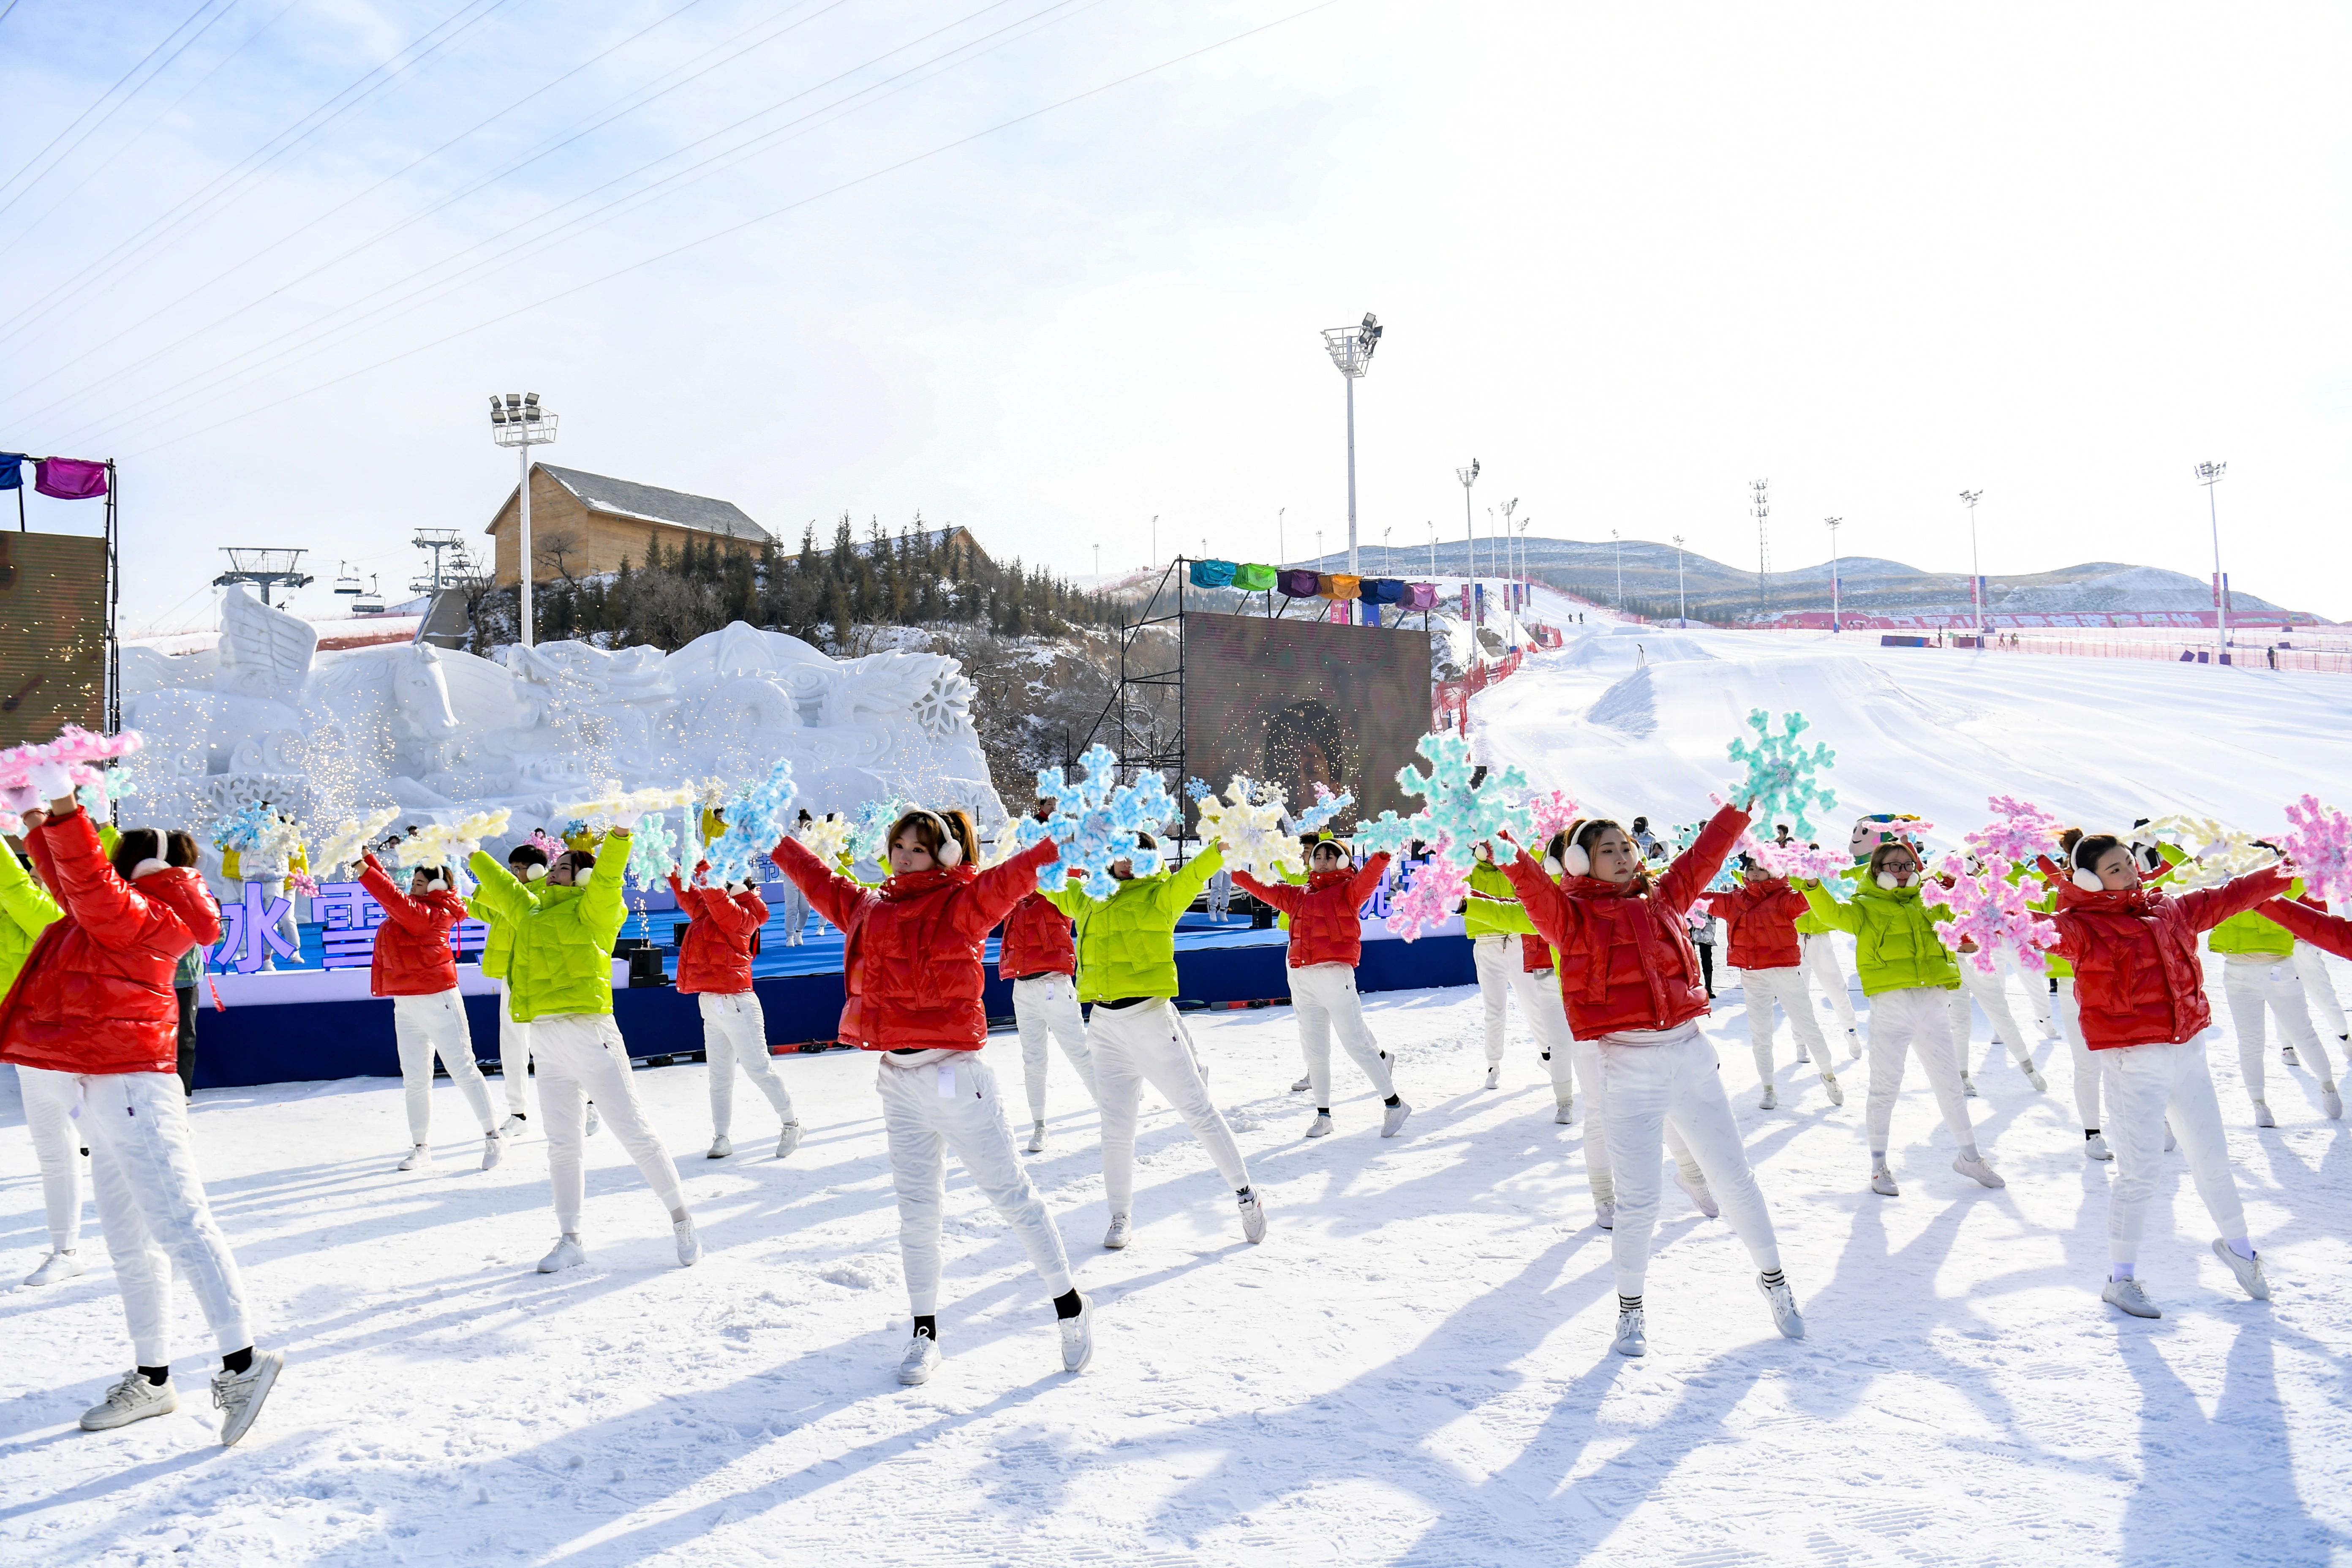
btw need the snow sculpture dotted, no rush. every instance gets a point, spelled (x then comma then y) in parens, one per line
(1782, 775)
(438, 735)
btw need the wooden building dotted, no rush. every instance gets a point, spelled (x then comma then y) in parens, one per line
(582, 524)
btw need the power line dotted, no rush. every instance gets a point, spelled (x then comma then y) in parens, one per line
(752, 222)
(203, 7)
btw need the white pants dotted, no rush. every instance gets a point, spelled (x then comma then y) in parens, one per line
(1763, 987)
(1146, 1044)
(424, 1025)
(1047, 1005)
(1324, 996)
(52, 1107)
(1538, 995)
(796, 914)
(580, 1059)
(1496, 956)
(2146, 1087)
(928, 1109)
(2037, 988)
(1503, 974)
(514, 1052)
(2326, 1010)
(2272, 984)
(735, 1030)
(1821, 964)
(1646, 1085)
(1990, 993)
(1918, 1017)
(151, 1202)
(2087, 1077)
(1598, 1172)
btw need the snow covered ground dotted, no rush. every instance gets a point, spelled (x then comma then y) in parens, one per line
(1412, 1369)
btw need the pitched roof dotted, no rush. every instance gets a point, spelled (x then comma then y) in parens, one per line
(625, 498)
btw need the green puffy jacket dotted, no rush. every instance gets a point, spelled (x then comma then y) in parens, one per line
(1895, 946)
(560, 953)
(2252, 932)
(1499, 912)
(499, 944)
(26, 911)
(1127, 943)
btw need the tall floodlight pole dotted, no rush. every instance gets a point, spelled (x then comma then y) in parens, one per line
(1760, 505)
(1388, 560)
(1682, 601)
(2209, 474)
(1351, 350)
(519, 422)
(1433, 545)
(1968, 499)
(1831, 524)
(1617, 547)
(1469, 477)
(1509, 507)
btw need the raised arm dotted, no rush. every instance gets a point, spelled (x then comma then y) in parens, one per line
(22, 901)
(1177, 893)
(1280, 897)
(2329, 934)
(692, 900)
(602, 907)
(408, 913)
(497, 894)
(835, 897)
(1696, 867)
(751, 903)
(1552, 912)
(1847, 917)
(996, 890)
(87, 888)
(2208, 906)
(1367, 880)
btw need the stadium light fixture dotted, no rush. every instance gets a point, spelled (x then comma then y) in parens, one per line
(2209, 474)
(519, 422)
(1831, 524)
(1469, 477)
(1968, 499)
(1351, 350)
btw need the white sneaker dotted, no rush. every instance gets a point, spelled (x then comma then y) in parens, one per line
(1394, 1117)
(921, 1359)
(1604, 1216)
(2286, 1055)
(690, 1245)
(55, 1266)
(1037, 1137)
(2263, 1118)
(1252, 1217)
(788, 1139)
(1302, 1086)
(238, 1395)
(1968, 1087)
(595, 1122)
(1320, 1127)
(1630, 1340)
(2331, 1102)
(2033, 1076)
(2248, 1270)
(420, 1158)
(1771, 1101)
(494, 1150)
(513, 1125)
(2094, 1147)
(1831, 1086)
(1494, 1075)
(1564, 1112)
(1881, 1182)
(133, 1399)
(1785, 1316)
(568, 1254)
(1698, 1194)
(1978, 1170)
(1078, 1336)
(2129, 1295)
(1121, 1231)
(719, 1148)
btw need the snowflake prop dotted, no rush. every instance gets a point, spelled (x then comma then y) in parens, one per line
(2319, 841)
(75, 749)
(1101, 829)
(1554, 811)
(1991, 910)
(1783, 776)
(827, 838)
(1798, 860)
(653, 851)
(546, 844)
(618, 808)
(1247, 823)
(343, 842)
(869, 836)
(1196, 789)
(1427, 898)
(1456, 815)
(2215, 853)
(1316, 818)
(256, 833)
(756, 822)
(449, 843)
(2021, 832)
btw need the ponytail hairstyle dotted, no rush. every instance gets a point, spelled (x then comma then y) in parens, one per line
(140, 845)
(2067, 838)
(948, 836)
(1555, 852)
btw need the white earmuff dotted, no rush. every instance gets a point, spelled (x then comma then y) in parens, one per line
(534, 874)
(436, 886)
(1889, 881)
(1551, 867)
(145, 867)
(1576, 862)
(2088, 881)
(951, 851)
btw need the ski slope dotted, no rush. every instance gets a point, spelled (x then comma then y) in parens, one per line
(1633, 720)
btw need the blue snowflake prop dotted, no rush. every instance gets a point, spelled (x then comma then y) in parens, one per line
(1456, 815)
(1316, 818)
(869, 836)
(1196, 789)
(755, 824)
(1095, 822)
(653, 851)
(1782, 774)
(241, 829)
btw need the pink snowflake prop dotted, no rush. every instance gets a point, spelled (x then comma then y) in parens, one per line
(1991, 910)
(1554, 811)
(2319, 842)
(2021, 832)
(1427, 902)
(75, 747)
(1798, 860)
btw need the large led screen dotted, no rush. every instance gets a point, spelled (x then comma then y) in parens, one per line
(1299, 702)
(52, 634)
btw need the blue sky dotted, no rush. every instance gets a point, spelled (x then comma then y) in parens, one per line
(1629, 257)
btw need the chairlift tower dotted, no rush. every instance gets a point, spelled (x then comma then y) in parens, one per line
(1760, 490)
(264, 568)
(437, 540)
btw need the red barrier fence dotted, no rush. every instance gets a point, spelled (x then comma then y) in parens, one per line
(1450, 700)
(2307, 660)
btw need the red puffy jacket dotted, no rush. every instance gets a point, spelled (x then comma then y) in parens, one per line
(2137, 981)
(912, 957)
(1625, 955)
(2308, 919)
(716, 956)
(95, 996)
(1762, 913)
(412, 955)
(1038, 939)
(1535, 955)
(1326, 922)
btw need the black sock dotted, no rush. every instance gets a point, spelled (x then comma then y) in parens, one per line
(158, 1375)
(1322, 1110)
(239, 1361)
(927, 1328)
(1242, 1194)
(2090, 1132)
(1629, 1303)
(1067, 1304)
(1392, 1102)
(1773, 1277)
